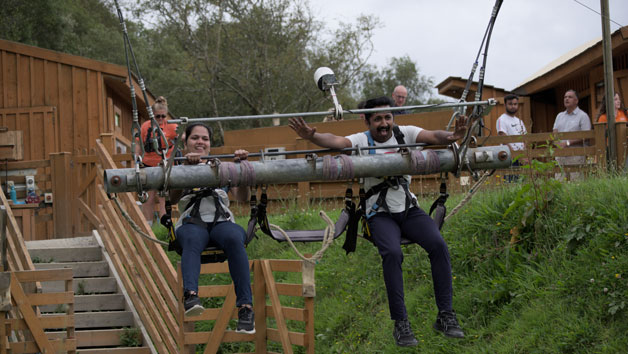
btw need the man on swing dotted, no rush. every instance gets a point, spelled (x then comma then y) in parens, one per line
(393, 212)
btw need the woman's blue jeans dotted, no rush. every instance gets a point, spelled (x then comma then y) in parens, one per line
(230, 238)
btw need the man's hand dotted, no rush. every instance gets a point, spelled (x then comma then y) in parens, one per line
(240, 155)
(301, 128)
(460, 128)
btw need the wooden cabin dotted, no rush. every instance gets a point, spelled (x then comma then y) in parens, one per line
(61, 104)
(541, 96)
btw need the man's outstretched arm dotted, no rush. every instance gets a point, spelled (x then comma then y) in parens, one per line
(442, 137)
(326, 140)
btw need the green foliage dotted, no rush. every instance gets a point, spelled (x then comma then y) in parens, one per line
(80, 288)
(131, 337)
(401, 71)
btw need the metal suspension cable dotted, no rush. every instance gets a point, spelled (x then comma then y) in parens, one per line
(477, 111)
(312, 151)
(155, 131)
(490, 102)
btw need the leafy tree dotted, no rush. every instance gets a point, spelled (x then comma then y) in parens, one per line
(400, 71)
(248, 57)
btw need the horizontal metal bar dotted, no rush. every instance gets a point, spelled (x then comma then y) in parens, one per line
(312, 151)
(299, 170)
(437, 106)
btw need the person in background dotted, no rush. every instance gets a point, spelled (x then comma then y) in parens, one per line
(509, 124)
(620, 110)
(570, 120)
(399, 95)
(153, 158)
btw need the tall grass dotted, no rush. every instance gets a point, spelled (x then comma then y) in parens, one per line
(558, 284)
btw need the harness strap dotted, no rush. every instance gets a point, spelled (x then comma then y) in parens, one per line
(438, 207)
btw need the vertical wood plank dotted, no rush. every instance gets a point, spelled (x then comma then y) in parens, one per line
(277, 308)
(62, 190)
(221, 323)
(620, 134)
(259, 302)
(3, 59)
(18, 89)
(31, 76)
(309, 325)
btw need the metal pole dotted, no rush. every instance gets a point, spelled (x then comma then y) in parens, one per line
(488, 103)
(415, 162)
(608, 85)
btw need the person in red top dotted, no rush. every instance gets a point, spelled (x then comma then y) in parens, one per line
(620, 111)
(153, 158)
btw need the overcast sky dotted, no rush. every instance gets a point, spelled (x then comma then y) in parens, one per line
(443, 36)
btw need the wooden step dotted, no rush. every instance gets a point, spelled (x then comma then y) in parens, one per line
(83, 286)
(72, 242)
(103, 319)
(80, 269)
(79, 254)
(96, 302)
(93, 337)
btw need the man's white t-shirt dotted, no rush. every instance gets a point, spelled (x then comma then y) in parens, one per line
(511, 126)
(395, 198)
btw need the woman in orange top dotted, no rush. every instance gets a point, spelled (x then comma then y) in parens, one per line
(153, 158)
(620, 111)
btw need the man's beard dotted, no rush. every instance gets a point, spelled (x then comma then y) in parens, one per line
(511, 112)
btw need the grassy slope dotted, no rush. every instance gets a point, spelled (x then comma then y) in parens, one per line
(559, 288)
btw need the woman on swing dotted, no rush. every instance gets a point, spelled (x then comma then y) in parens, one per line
(206, 217)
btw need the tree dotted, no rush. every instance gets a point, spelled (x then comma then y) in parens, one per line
(400, 71)
(257, 57)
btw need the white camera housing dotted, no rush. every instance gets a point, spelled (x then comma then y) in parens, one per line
(30, 182)
(324, 78)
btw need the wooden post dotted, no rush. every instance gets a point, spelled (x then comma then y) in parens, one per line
(622, 144)
(62, 190)
(600, 144)
(259, 301)
(108, 141)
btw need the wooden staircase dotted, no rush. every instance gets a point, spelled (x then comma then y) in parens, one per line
(105, 319)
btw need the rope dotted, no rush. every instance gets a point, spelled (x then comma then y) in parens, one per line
(328, 239)
(472, 191)
(247, 172)
(134, 225)
(346, 171)
(430, 163)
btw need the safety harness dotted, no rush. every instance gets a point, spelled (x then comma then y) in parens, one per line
(212, 252)
(361, 215)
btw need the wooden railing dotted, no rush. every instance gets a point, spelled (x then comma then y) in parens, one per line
(28, 325)
(17, 257)
(264, 284)
(147, 274)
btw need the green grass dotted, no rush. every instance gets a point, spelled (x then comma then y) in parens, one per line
(558, 284)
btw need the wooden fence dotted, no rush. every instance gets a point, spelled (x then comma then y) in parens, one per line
(264, 284)
(27, 325)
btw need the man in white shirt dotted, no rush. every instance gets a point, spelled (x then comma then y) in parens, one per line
(393, 212)
(509, 124)
(571, 120)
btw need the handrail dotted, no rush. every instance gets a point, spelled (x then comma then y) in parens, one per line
(144, 267)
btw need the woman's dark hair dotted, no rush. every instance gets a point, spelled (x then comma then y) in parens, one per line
(188, 130)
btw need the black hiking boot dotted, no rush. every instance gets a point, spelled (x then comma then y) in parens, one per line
(447, 323)
(246, 320)
(192, 304)
(404, 337)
